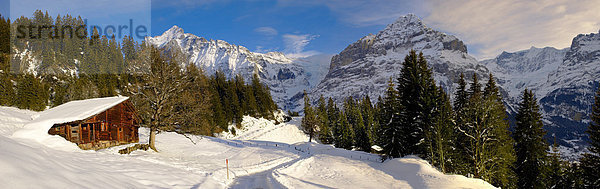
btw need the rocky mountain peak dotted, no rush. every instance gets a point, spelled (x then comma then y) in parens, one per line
(407, 20)
(365, 66)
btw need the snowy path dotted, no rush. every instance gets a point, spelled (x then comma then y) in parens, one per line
(263, 179)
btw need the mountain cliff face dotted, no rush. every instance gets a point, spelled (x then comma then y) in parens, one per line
(564, 81)
(526, 69)
(286, 77)
(365, 67)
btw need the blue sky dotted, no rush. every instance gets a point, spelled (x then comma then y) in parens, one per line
(308, 27)
(299, 29)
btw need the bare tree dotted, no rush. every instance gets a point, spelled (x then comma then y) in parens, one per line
(157, 93)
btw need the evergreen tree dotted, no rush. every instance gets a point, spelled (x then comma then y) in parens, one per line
(7, 92)
(333, 114)
(324, 130)
(440, 134)
(352, 117)
(501, 158)
(263, 98)
(192, 105)
(530, 146)
(461, 162)
(250, 100)
(590, 162)
(219, 117)
(345, 140)
(234, 103)
(31, 93)
(417, 91)
(392, 136)
(361, 138)
(556, 170)
(4, 45)
(371, 124)
(483, 136)
(309, 121)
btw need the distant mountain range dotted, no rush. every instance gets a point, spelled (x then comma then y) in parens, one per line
(286, 77)
(564, 81)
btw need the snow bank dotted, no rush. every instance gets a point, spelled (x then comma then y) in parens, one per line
(12, 119)
(68, 112)
(266, 130)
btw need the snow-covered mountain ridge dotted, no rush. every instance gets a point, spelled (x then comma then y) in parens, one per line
(286, 77)
(564, 81)
(365, 67)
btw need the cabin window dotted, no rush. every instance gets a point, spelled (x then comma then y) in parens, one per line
(103, 127)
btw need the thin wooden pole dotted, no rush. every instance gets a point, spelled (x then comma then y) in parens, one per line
(227, 165)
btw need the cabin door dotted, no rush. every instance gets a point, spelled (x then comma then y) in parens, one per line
(74, 133)
(120, 135)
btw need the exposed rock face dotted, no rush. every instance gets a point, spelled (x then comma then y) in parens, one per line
(365, 67)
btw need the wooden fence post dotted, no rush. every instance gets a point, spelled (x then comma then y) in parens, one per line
(227, 165)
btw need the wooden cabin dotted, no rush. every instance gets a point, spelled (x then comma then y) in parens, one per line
(110, 122)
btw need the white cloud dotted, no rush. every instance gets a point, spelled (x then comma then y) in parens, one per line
(512, 25)
(295, 44)
(268, 31)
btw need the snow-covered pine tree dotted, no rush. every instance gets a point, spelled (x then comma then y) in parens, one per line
(590, 163)
(530, 146)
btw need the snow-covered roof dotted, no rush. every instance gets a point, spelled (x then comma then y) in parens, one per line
(68, 112)
(79, 110)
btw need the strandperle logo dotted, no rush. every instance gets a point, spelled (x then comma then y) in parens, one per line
(36, 31)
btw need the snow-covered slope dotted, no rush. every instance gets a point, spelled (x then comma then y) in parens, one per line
(285, 76)
(365, 66)
(199, 162)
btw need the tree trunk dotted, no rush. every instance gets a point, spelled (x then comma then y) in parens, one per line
(310, 135)
(152, 139)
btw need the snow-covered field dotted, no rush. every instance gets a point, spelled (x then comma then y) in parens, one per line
(263, 155)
